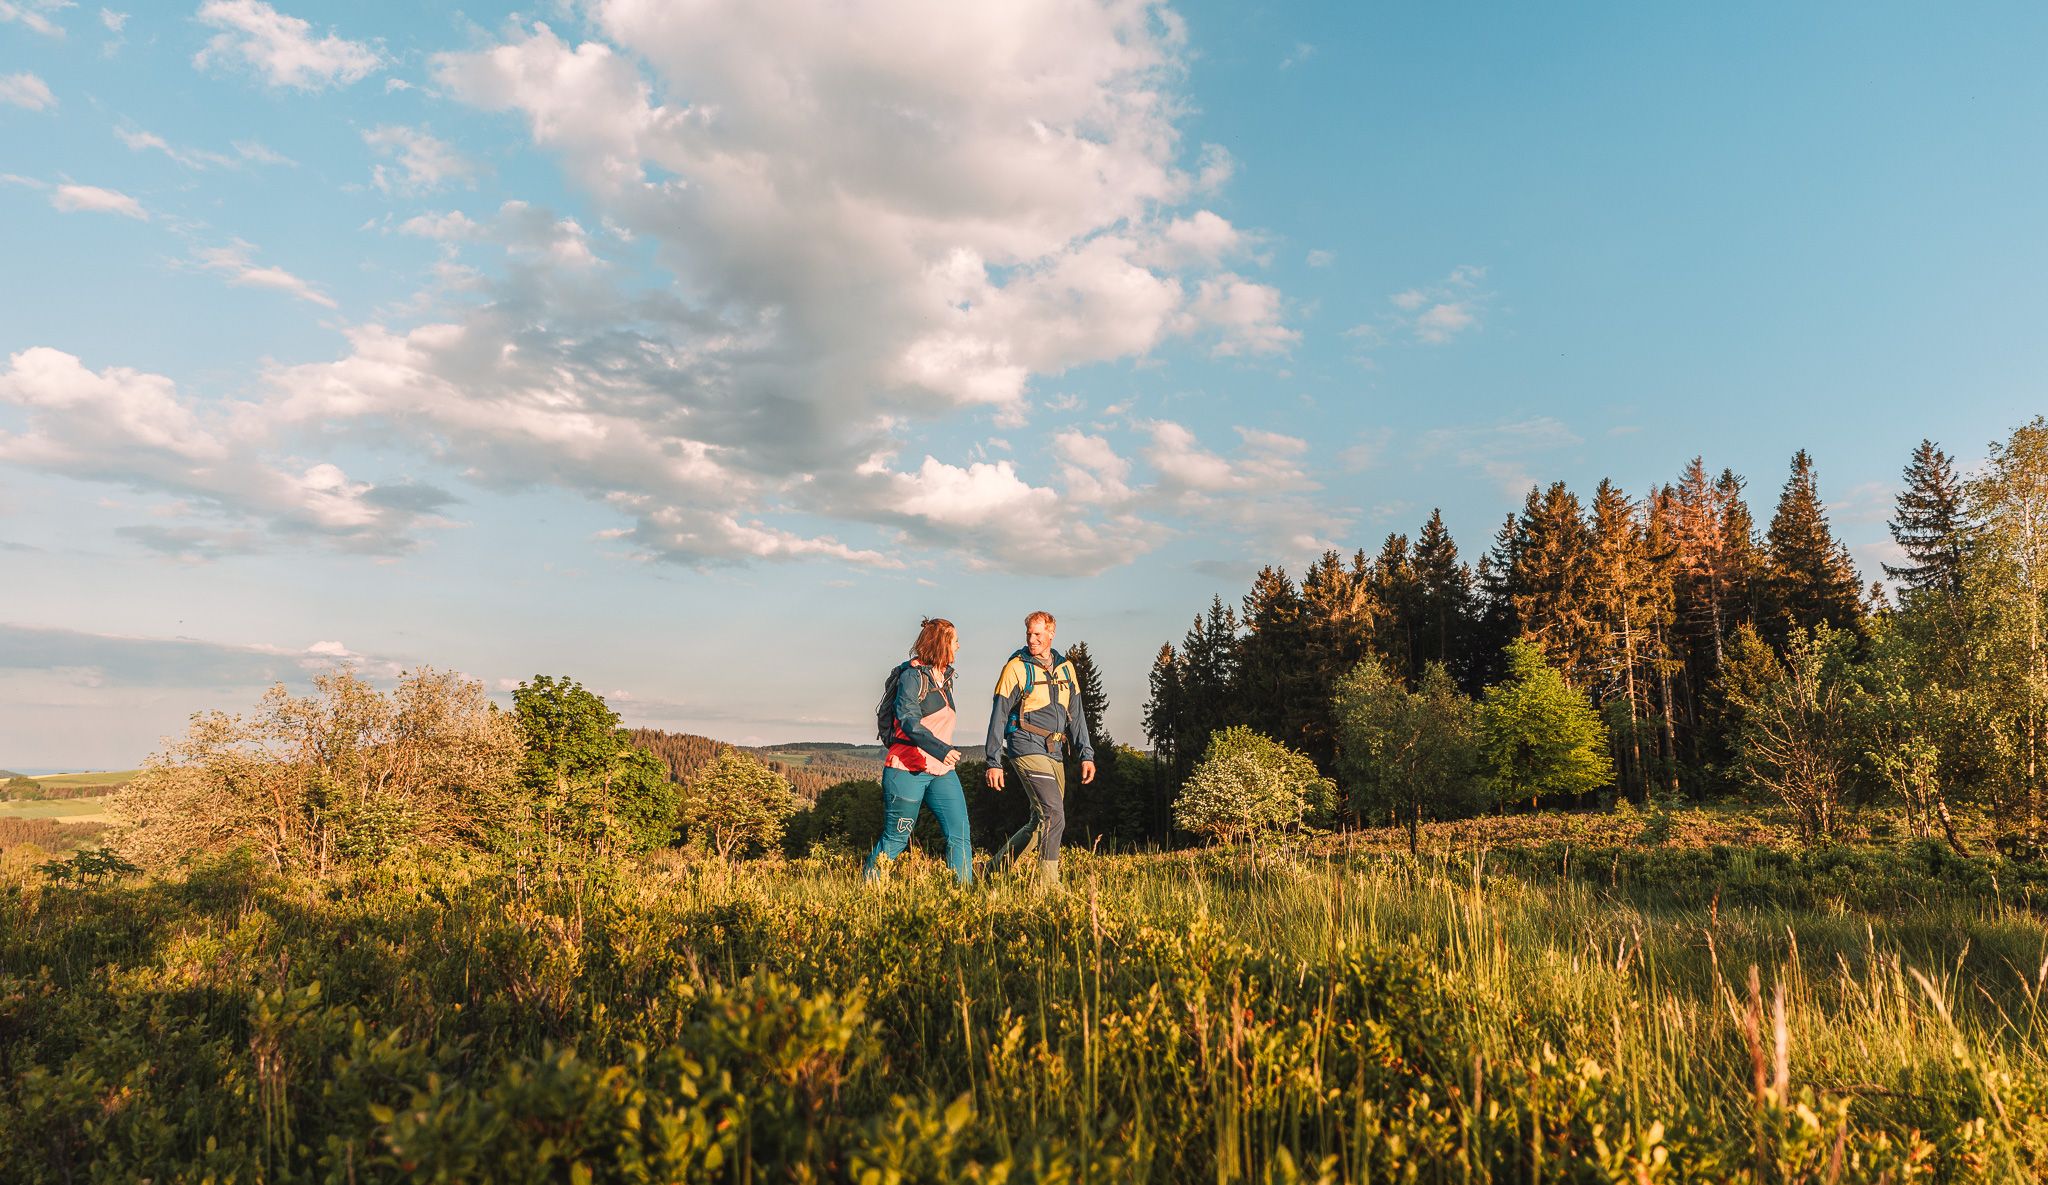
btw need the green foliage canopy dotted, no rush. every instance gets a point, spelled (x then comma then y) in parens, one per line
(1538, 737)
(737, 804)
(1408, 755)
(586, 783)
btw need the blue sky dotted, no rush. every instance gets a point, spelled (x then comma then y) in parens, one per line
(696, 350)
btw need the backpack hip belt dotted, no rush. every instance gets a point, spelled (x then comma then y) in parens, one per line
(1052, 740)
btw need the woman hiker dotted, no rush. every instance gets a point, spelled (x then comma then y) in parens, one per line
(919, 768)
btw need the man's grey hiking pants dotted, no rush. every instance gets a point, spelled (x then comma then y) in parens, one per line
(1044, 782)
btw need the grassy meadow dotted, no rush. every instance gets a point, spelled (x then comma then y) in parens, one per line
(1589, 1000)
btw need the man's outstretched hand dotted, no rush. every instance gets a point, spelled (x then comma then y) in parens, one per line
(1087, 772)
(995, 777)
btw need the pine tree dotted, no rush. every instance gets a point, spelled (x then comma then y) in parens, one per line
(1499, 590)
(1272, 658)
(1208, 673)
(1443, 604)
(1094, 702)
(1812, 580)
(1930, 525)
(1392, 583)
(1337, 614)
(1163, 727)
(1629, 603)
(1742, 563)
(1555, 568)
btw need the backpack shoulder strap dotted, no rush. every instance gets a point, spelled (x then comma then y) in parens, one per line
(1023, 658)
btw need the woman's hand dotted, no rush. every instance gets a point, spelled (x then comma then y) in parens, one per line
(953, 758)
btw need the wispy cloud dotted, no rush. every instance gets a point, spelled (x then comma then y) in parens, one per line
(452, 225)
(421, 162)
(246, 151)
(1433, 314)
(141, 141)
(281, 49)
(1503, 452)
(260, 153)
(26, 90)
(129, 660)
(1301, 53)
(236, 262)
(34, 15)
(139, 431)
(91, 198)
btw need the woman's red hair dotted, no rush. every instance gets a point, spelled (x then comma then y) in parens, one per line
(934, 638)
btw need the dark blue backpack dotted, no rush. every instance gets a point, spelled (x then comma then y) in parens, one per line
(885, 710)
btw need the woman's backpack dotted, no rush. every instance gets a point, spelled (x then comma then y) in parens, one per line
(885, 710)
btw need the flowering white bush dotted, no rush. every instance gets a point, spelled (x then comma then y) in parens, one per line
(1233, 794)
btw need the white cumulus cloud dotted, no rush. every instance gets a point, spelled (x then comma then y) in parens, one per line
(138, 430)
(841, 229)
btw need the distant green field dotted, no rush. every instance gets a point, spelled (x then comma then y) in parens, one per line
(118, 777)
(77, 810)
(805, 754)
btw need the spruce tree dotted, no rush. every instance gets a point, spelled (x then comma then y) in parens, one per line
(1337, 614)
(1208, 675)
(1393, 586)
(1444, 604)
(1742, 574)
(1930, 525)
(1101, 811)
(1629, 603)
(1812, 580)
(1499, 590)
(1094, 702)
(1555, 569)
(1272, 658)
(1163, 727)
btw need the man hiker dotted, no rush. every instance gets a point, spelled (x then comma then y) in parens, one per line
(1037, 716)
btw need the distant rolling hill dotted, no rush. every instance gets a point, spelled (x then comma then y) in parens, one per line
(810, 766)
(88, 785)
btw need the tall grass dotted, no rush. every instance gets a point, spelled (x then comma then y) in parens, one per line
(1467, 1016)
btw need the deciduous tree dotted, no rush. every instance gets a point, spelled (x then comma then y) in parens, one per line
(1794, 737)
(737, 804)
(1408, 755)
(1538, 736)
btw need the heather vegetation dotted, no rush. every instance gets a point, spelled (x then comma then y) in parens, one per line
(1612, 861)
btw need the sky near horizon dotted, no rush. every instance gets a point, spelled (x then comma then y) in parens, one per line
(697, 349)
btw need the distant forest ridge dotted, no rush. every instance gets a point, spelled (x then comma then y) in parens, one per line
(810, 766)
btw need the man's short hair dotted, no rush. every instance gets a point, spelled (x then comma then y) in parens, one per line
(1038, 616)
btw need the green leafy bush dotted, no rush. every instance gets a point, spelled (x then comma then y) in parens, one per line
(737, 805)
